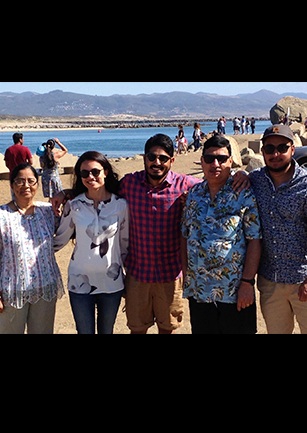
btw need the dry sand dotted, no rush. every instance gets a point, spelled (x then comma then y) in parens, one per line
(64, 323)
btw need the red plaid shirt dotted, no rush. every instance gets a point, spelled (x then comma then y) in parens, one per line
(155, 217)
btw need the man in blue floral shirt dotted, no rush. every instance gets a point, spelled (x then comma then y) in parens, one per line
(221, 247)
(281, 191)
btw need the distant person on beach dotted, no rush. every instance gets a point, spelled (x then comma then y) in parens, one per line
(247, 125)
(243, 124)
(221, 125)
(253, 125)
(49, 162)
(98, 222)
(182, 141)
(196, 136)
(281, 190)
(17, 153)
(30, 278)
(236, 126)
(221, 247)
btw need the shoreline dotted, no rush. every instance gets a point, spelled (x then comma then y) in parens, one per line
(24, 124)
(69, 160)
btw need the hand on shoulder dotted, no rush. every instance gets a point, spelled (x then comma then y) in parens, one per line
(240, 181)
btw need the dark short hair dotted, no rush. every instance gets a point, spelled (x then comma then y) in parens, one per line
(17, 136)
(217, 140)
(18, 168)
(161, 140)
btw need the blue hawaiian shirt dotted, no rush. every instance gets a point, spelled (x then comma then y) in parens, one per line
(216, 232)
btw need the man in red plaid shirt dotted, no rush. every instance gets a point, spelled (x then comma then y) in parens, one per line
(155, 198)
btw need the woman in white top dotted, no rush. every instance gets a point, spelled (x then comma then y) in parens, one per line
(97, 219)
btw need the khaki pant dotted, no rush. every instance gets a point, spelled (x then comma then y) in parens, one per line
(280, 307)
(35, 318)
(150, 303)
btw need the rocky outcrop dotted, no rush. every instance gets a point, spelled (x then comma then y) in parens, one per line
(294, 108)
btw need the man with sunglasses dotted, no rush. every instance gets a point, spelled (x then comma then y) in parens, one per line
(221, 247)
(155, 199)
(281, 190)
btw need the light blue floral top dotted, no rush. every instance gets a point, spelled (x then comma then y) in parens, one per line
(216, 232)
(28, 267)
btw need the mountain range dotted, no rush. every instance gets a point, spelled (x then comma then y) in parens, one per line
(156, 106)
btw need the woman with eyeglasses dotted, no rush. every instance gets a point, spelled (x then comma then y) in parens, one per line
(97, 220)
(30, 279)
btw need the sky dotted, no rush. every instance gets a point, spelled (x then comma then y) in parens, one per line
(103, 88)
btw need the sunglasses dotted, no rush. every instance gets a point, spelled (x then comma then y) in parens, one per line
(209, 159)
(94, 172)
(162, 158)
(21, 181)
(269, 149)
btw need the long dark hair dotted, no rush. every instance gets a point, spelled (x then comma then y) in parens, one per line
(112, 178)
(48, 157)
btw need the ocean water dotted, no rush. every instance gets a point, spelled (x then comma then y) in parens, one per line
(114, 143)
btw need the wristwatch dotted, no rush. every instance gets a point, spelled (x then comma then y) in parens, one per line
(250, 281)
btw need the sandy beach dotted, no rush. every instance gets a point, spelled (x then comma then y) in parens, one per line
(187, 164)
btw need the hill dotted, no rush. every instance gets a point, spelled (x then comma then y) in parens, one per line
(172, 105)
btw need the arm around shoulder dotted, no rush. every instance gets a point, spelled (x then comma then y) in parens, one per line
(241, 180)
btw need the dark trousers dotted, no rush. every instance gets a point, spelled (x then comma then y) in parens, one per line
(221, 318)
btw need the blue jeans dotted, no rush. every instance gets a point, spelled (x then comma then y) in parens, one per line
(84, 311)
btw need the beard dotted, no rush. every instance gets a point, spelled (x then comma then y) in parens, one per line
(156, 176)
(280, 169)
(151, 174)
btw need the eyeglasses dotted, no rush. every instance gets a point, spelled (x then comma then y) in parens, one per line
(281, 148)
(209, 159)
(162, 158)
(95, 172)
(19, 181)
